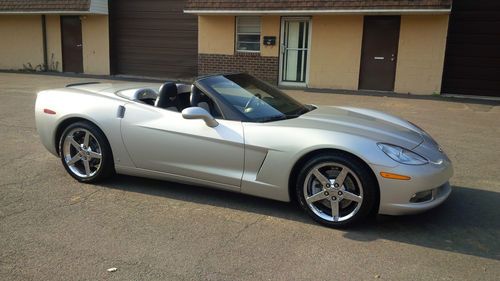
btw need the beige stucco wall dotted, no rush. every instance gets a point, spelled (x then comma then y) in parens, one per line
(216, 35)
(335, 51)
(336, 43)
(421, 53)
(22, 43)
(54, 49)
(270, 26)
(21, 38)
(95, 40)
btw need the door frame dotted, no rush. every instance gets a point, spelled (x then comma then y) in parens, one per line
(282, 52)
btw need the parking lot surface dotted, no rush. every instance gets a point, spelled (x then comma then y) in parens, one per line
(54, 228)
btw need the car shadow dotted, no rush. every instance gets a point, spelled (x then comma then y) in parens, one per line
(467, 223)
(208, 196)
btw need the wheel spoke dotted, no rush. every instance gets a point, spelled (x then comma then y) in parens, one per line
(322, 179)
(74, 143)
(316, 197)
(335, 209)
(86, 164)
(75, 159)
(86, 139)
(341, 177)
(352, 197)
(95, 155)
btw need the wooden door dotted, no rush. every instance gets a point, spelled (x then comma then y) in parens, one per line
(379, 53)
(71, 34)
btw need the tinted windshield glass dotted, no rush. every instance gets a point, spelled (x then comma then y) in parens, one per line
(256, 100)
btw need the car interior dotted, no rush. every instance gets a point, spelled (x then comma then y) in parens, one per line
(176, 97)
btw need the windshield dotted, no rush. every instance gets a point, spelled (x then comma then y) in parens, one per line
(256, 100)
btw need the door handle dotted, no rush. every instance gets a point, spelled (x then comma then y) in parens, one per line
(79, 45)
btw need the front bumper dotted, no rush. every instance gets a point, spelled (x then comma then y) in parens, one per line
(441, 194)
(396, 195)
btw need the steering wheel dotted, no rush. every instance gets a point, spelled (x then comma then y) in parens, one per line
(247, 107)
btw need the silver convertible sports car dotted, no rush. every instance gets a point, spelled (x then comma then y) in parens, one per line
(237, 133)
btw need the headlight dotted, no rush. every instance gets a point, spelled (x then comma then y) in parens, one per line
(402, 155)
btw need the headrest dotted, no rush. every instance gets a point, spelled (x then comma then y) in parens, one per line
(168, 89)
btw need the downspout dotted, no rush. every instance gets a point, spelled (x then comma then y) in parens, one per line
(44, 44)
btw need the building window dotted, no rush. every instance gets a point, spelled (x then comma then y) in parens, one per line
(248, 34)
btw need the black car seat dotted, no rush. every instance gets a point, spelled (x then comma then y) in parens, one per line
(167, 97)
(199, 99)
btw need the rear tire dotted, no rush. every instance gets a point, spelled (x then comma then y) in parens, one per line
(337, 189)
(85, 152)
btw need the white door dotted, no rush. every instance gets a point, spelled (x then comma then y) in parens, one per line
(294, 59)
(161, 140)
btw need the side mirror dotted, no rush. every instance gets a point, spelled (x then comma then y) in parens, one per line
(200, 113)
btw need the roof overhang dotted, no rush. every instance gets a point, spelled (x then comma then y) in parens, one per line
(321, 12)
(55, 7)
(52, 13)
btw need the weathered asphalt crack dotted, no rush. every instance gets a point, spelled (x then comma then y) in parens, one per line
(83, 198)
(9, 183)
(17, 158)
(245, 228)
(20, 198)
(223, 244)
(14, 214)
(17, 126)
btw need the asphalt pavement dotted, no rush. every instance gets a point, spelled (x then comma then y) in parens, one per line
(54, 228)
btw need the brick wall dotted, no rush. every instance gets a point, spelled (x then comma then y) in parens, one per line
(265, 68)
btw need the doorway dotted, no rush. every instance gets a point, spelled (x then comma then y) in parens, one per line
(379, 53)
(71, 36)
(294, 57)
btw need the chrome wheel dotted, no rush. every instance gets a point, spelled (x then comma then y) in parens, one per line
(333, 192)
(82, 153)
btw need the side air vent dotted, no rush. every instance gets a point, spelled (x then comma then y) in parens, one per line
(120, 112)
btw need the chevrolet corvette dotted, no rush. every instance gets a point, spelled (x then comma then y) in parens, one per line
(237, 133)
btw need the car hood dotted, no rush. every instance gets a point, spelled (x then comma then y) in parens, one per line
(376, 125)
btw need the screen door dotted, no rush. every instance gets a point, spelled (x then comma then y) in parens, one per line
(295, 50)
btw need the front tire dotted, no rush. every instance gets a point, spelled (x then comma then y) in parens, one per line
(85, 152)
(336, 189)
